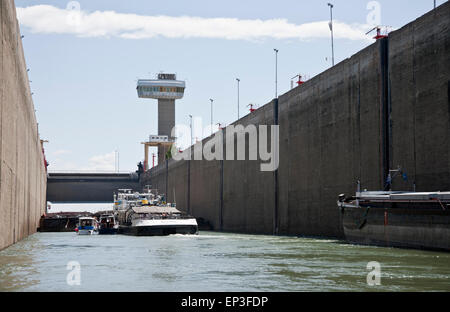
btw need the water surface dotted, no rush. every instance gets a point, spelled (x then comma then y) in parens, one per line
(214, 262)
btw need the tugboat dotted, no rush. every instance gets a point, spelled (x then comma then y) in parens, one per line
(147, 214)
(418, 220)
(87, 226)
(108, 225)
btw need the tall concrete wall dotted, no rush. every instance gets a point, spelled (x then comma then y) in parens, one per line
(22, 170)
(330, 130)
(384, 107)
(419, 63)
(249, 193)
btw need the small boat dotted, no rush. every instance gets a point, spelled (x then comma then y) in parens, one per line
(108, 225)
(87, 226)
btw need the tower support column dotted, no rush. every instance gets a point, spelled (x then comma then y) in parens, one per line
(166, 122)
(146, 157)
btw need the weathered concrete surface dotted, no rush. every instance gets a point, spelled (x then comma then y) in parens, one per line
(387, 105)
(330, 138)
(88, 187)
(218, 190)
(248, 193)
(419, 62)
(22, 170)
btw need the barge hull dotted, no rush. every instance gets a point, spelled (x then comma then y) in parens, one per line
(158, 230)
(396, 227)
(107, 231)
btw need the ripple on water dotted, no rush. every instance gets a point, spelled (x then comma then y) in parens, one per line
(215, 262)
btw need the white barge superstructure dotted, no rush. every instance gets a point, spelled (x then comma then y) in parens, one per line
(147, 214)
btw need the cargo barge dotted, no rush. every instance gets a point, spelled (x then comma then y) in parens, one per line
(419, 220)
(147, 214)
(61, 222)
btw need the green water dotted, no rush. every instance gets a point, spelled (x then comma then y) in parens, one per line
(214, 262)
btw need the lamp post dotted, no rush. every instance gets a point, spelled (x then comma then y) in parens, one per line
(238, 81)
(276, 73)
(331, 29)
(211, 115)
(116, 153)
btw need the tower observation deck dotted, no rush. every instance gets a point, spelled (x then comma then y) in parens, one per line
(166, 89)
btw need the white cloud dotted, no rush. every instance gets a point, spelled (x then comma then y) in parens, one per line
(104, 162)
(52, 20)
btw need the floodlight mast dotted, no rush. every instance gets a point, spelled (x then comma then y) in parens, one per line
(331, 29)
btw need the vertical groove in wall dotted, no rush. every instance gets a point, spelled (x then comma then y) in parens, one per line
(448, 105)
(448, 121)
(189, 186)
(221, 196)
(359, 120)
(414, 105)
(167, 181)
(385, 114)
(275, 174)
(389, 109)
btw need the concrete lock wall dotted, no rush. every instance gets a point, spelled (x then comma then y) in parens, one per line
(386, 106)
(419, 63)
(22, 170)
(330, 130)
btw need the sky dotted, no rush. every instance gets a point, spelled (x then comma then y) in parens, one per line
(85, 58)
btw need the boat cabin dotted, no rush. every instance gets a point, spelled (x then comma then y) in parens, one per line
(107, 221)
(87, 223)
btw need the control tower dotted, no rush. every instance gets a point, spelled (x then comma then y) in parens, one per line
(166, 89)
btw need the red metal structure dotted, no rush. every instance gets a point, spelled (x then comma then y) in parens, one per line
(379, 34)
(46, 163)
(299, 82)
(251, 108)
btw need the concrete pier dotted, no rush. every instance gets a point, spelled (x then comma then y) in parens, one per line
(384, 107)
(22, 169)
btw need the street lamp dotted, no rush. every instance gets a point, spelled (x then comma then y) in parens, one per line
(211, 115)
(276, 73)
(238, 81)
(331, 29)
(116, 160)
